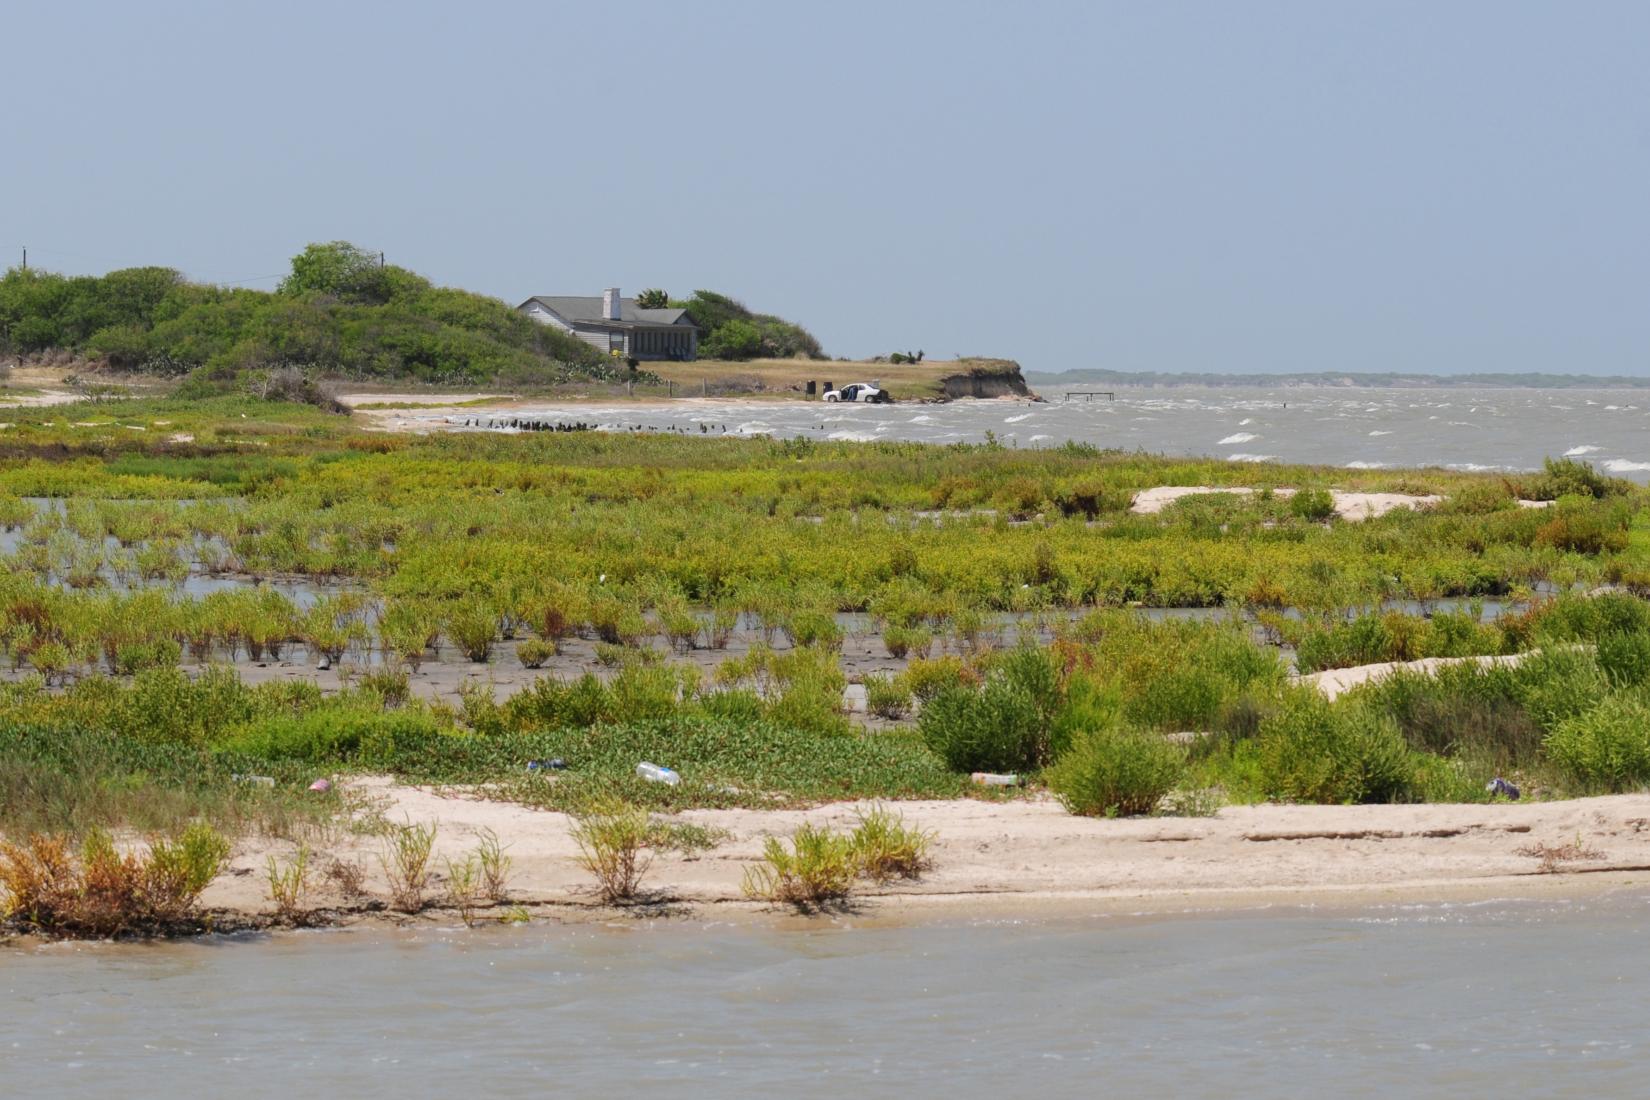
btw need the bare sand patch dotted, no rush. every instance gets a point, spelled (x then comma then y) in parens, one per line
(1336, 681)
(1349, 506)
(1030, 855)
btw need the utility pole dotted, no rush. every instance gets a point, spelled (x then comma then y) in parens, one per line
(380, 261)
(25, 257)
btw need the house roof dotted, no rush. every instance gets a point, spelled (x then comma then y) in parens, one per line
(588, 311)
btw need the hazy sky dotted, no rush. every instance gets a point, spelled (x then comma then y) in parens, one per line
(1150, 186)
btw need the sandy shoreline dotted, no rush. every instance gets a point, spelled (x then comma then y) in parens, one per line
(1030, 858)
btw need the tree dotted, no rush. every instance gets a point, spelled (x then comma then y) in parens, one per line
(652, 298)
(339, 269)
(734, 340)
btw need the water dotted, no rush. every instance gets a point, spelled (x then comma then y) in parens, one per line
(1535, 998)
(1461, 429)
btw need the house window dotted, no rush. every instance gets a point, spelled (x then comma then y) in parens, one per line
(615, 342)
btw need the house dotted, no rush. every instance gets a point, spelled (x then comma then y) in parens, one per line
(617, 326)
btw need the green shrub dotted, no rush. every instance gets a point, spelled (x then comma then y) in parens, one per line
(1316, 505)
(612, 837)
(818, 869)
(1314, 751)
(533, 652)
(887, 697)
(1109, 772)
(885, 847)
(1606, 747)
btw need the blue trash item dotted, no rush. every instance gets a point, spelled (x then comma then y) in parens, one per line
(555, 764)
(1502, 787)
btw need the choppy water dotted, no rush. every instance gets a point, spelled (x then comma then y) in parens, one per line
(1498, 998)
(1462, 429)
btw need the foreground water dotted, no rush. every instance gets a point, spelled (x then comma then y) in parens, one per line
(1534, 998)
(1462, 429)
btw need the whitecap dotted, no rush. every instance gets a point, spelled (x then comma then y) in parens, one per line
(1379, 432)
(853, 437)
(1017, 419)
(1624, 466)
(1366, 465)
(921, 418)
(1035, 438)
(752, 427)
(1240, 437)
(1583, 449)
(1246, 421)
(1251, 458)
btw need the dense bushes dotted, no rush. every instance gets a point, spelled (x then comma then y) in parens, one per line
(339, 312)
(1607, 747)
(731, 331)
(1115, 772)
(1005, 724)
(1314, 751)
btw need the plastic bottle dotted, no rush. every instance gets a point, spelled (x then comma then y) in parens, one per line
(993, 779)
(657, 774)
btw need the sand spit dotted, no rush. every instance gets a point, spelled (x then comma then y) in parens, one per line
(1030, 856)
(1336, 681)
(1348, 506)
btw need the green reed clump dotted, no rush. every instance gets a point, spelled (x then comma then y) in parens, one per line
(613, 838)
(885, 847)
(817, 870)
(288, 884)
(406, 862)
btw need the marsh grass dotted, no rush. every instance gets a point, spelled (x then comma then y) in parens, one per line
(50, 887)
(494, 866)
(465, 886)
(406, 862)
(815, 872)
(288, 884)
(612, 839)
(885, 847)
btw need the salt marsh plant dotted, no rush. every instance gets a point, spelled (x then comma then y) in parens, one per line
(816, 870)
(406, 862)
(465, 886)
(1111, 772)
(97, 891)
(885, 847)
(288, 883)
(494, 866)
(612, 838)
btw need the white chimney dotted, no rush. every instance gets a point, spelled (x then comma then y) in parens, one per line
(610, 304)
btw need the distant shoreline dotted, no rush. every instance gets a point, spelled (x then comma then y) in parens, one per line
(1338, 380)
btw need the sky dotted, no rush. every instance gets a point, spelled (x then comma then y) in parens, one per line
(1265, 186)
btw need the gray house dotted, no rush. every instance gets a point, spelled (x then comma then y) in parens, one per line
(617, 326)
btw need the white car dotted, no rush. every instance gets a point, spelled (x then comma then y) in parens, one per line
(860, 391)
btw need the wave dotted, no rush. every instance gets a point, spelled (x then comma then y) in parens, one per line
(1246, 421)
(1379, 432)
(1360, 465)
(1035, 438)
(1240, 437)
(853, 437)
(1624, 466)
(1583, 449)
(921, 418)
(1017, 419)
(1240, 457)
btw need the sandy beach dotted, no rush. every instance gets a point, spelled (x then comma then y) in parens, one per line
(1030, 856)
